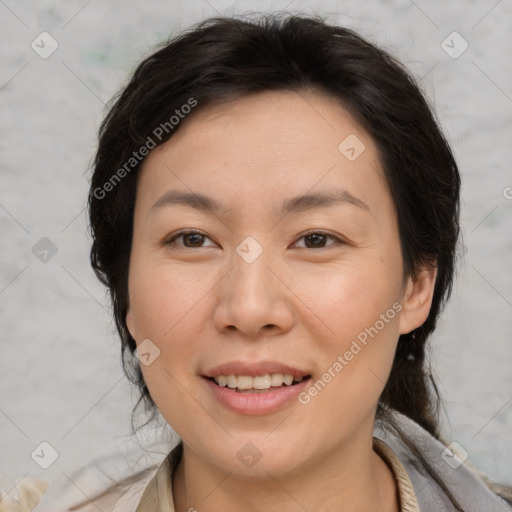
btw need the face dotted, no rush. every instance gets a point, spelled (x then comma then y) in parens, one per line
(259, 281)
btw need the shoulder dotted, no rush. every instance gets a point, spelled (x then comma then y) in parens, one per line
(449, 469)
(123, 496)
(29, 493)
(86, 492)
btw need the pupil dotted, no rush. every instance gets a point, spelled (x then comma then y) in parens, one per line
(315, 237)
(189, 236)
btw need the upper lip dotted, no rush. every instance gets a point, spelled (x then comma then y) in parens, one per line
(254, 369)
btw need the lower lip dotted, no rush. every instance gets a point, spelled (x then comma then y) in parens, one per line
(256, 403)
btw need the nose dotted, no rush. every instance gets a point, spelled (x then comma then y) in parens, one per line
(254, 299)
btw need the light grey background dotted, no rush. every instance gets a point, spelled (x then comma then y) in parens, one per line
(61, 379)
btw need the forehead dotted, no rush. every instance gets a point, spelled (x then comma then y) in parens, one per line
(276, 142)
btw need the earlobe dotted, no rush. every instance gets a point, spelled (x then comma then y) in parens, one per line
(417, 299)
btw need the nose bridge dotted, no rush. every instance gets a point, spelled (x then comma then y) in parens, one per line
(253, 296)
(251, 277)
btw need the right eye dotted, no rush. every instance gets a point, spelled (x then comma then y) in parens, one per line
(194, 238)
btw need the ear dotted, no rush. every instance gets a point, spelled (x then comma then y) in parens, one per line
(129, 324)
(417, 299)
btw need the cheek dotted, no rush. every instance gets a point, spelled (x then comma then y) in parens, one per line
(165, 309)
(170, 376)
(162, 299)
(359, 307)
(350, 297)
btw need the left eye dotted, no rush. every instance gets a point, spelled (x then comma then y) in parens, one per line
(317, 239)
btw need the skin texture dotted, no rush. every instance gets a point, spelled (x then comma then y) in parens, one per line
(298, 303)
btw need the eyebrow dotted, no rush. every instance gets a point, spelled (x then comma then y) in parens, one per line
(293, 205)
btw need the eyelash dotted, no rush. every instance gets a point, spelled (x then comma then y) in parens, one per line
(171, 242)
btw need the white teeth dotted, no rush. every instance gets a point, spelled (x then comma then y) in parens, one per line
(288, 379)
(277, 379)
(244, 382)
(266, 381)
(260, 382)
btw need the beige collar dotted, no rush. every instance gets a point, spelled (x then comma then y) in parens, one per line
(157, 495)
(408, 502)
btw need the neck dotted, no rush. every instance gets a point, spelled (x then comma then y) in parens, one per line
(357, 479)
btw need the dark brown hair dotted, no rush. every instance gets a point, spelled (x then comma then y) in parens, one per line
(222, 59)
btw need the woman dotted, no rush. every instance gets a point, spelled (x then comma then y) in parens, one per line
(276, 213)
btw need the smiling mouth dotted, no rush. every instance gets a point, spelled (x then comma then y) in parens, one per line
(261, 384)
